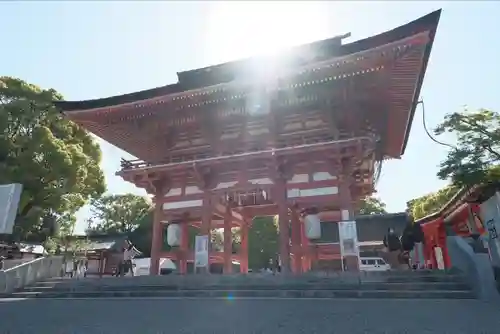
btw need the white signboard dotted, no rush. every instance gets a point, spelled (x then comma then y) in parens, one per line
(348, 237)
(10, 194)
(490, 215)
(201, 251)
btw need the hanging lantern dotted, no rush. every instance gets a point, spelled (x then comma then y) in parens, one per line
(174, 235)
(312, 226)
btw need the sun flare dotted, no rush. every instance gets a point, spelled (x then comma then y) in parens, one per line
(241, 29)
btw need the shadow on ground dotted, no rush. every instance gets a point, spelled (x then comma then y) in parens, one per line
(145, 316)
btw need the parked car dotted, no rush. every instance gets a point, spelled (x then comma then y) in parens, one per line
(373, 264)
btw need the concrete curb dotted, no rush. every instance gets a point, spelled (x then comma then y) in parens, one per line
(229, 294)
(333, 286)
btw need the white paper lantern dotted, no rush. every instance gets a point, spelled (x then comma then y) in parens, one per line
(312, 226)
(174, 234)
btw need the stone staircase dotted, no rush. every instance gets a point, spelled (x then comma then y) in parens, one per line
(405, 284)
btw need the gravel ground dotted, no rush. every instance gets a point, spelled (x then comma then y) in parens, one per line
(144, 316)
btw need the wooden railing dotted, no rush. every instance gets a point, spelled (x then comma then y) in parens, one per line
(133, 164)
(248, 198)
(137, 163)
(366, 141)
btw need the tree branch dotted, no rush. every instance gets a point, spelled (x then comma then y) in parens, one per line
(478, 127)
(488, 148)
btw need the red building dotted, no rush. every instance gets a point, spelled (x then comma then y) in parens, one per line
(303, 136)
(461, 213)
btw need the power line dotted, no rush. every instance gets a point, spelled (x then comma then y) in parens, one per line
(421, 102)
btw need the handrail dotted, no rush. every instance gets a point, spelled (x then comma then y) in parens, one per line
(29, 272)
(22, 264)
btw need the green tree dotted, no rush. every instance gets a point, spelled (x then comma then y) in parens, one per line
(428, 204)
(55, 160)
(477, 149)
(66, 223)
(371, 206)
(262, 242)
(118, 213)
(141, 237)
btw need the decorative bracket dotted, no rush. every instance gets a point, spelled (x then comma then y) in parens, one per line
(159, 185)
(206, 177)
(280, 169)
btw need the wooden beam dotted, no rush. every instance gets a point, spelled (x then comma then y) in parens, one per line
(220, 210)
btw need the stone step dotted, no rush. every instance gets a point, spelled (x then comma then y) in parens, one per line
(302, 277)
(229, 294)
(413, 286)
(124, 282)
(202, 281)
(422, 279)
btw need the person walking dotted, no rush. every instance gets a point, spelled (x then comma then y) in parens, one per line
(392, 245)
(129, 253)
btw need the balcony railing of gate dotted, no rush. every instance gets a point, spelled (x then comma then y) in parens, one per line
(248, 198)
(309, 143)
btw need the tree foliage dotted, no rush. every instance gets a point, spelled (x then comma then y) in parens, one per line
(477, 152)
(263, 243)
(371, 206)
(428, 204)
(55, 160)
(141, 237)
(66, 245)
(118, 213)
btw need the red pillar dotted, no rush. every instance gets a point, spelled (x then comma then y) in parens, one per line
(244, 249)
(157, 236)
(228, 242)
(184, 247)
(284, 223)
(296, 242)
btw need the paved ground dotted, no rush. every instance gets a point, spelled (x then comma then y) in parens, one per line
(247, 316)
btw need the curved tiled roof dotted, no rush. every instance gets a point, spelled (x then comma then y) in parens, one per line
(425, 23)
(225, 73)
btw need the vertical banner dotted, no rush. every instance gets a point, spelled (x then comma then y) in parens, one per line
(438, 252)
(10, 194)
(417, 254)
(201, 251)
(490, 214)
(348, 237)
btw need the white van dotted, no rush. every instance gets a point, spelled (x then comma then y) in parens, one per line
(373, 264)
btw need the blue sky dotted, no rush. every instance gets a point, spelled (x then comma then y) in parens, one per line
(96, 49)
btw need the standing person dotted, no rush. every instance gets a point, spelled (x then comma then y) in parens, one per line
(278, 264)
(392, 244)
(85, 267)
(79, 269)
(129, 253)
(74, 272)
